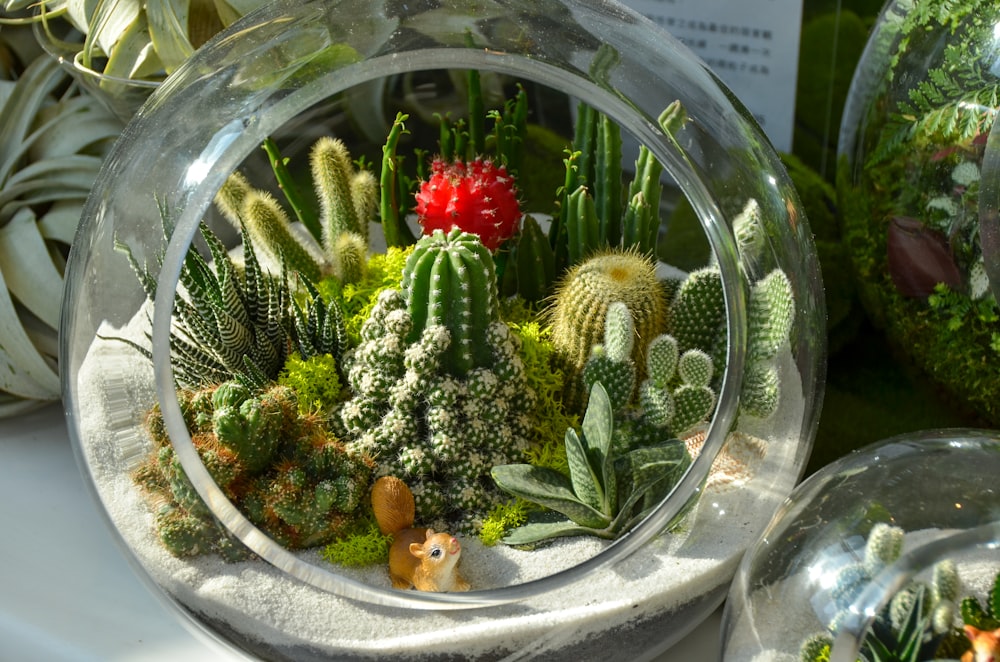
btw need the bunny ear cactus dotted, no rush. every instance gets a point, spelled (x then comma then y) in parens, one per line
(697, 320)
(611, 363)
(604, 495)
(916, 621)
(771, 312)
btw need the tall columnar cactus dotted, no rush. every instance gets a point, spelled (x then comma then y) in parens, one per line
(286, 473)
(348, 200)
(580, 307)
(449, 280)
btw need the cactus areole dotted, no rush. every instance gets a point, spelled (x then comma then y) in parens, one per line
(477, 197)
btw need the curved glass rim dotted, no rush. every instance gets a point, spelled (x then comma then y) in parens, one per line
(235, 139)
(863, 611)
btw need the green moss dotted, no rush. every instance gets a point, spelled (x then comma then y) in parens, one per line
(364, 545)
(385, 271)
(315, 381)
(547, 382)
(503, 518)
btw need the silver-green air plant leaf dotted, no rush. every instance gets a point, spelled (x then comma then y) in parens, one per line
(605, 494)
(133, 40)
(52, 143)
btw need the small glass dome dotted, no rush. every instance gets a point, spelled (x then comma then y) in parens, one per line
(917, 187)
(889, 553)
(349, 241)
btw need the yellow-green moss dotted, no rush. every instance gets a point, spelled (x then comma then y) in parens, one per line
(314, 380)
(364, 545)
(385, 271)
(503, 518)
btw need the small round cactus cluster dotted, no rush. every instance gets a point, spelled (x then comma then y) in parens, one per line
(439, 432)
(286, 473)
(477, 197)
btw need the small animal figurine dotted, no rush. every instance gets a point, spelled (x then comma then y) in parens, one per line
(985, 645)
(419, 558)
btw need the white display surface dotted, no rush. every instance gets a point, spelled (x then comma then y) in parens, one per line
(67, 591)
(752, 45)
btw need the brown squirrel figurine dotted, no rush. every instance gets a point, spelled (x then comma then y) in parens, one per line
(985, 645)
(419, 558)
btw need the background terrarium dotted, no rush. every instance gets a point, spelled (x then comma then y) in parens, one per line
(864, 562)
(409, 245)
(914, 187)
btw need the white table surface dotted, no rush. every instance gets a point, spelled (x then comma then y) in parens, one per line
(67, 591)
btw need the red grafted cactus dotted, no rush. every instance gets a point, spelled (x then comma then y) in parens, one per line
(477, 197)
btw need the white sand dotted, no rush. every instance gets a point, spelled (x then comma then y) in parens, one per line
(266, 608)
(779, 617)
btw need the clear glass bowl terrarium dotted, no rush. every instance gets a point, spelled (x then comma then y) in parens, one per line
(890, 553)
(917, 189)
(238, 376)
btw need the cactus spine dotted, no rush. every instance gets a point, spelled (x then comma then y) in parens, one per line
(581, 304)
(449, 280)
(286, 473)
(348, 200)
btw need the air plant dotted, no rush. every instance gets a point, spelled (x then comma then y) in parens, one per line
(52, 142)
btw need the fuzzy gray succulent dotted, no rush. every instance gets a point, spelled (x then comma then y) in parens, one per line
(606, 493)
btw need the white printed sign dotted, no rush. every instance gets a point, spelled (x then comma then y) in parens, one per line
(752, 45)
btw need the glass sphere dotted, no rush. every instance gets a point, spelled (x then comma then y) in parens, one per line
(158, 256)
(917, 191)
(836, 572)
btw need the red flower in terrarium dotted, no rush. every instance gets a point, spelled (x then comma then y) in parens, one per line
(478, 197)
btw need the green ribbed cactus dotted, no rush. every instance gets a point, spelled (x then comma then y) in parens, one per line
(675, 396)
(580, 306)
(449, 280)
(286, 473)
(348, 201)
